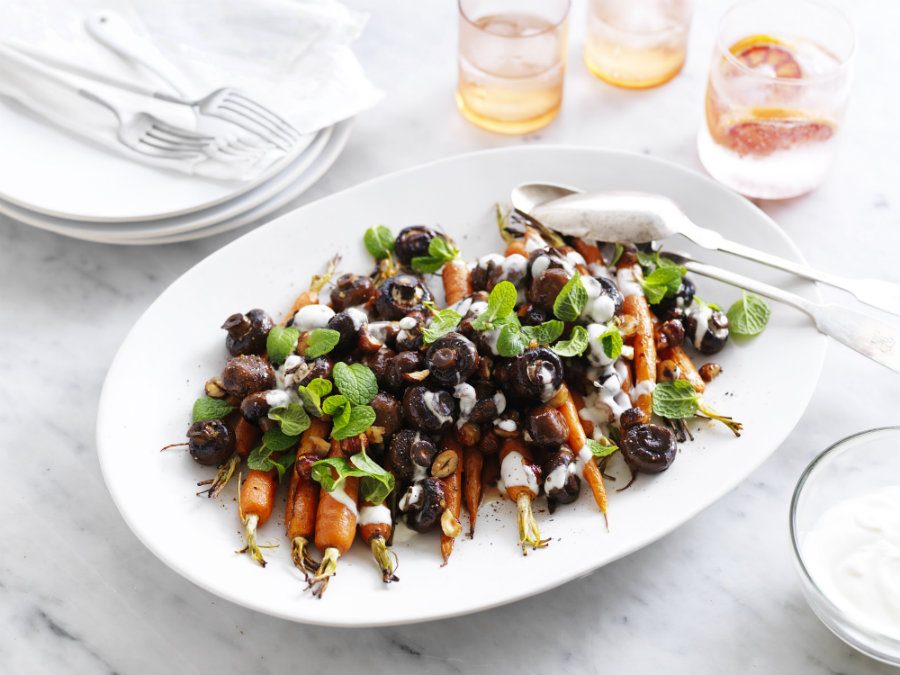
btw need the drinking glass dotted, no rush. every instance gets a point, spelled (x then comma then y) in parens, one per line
(775, 99)
(637, 44)
(512, 58)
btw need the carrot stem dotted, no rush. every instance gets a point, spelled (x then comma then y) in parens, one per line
(529, 533)
(327, 569)
(385, 558)
(302, 558)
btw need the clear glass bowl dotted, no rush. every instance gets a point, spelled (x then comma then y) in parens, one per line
(855, 466)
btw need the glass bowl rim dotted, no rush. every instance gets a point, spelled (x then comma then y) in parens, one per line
(724, 51)
(792, 523)
(549, 29)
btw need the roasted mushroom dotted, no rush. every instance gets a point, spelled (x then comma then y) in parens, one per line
(400, 295)
(247, 332)
(427, 410)
(409, 335)
(246, 374)
(546, 287)
(425, 504)
(489, 405)
(451, 359)
(387, 413)
(561, 482)
(648, 448)
(398, 369)
(413, 242)
(351, 290)
(411, 454)
(706, 328)
(535, 375)
(348, 324)
(258, 404)
(547, 427)
(378, 363)
(210, 442)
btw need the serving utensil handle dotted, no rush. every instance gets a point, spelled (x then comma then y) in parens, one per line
(883, 295)
(870, 337)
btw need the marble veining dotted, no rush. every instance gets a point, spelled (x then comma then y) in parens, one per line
(80, 594)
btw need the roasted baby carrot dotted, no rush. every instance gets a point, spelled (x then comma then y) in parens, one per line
(450, 527)
(578, 442)
(686, 368)
(473, 463)
(303, 498)
(457, 281)
(521, 485)
(256, 499)
(643, 340)
(590, 252)
(375, 527)
(336, 519)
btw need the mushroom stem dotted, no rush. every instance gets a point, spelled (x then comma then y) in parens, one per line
(250, 525)
(327, 569)
(223, 475)
(385, 558)
(732, 424)
(529, 533)
(302, 558)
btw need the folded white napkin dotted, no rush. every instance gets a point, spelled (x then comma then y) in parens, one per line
(291, 55)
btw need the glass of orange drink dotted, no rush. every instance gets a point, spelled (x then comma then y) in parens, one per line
(637, 44)
(512, 60)
(778, 85)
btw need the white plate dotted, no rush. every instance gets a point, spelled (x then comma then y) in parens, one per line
(258, 204)
(90, 183)
(766, 383)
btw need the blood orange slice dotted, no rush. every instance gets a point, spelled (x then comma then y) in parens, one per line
(766, 130)
(768, 54)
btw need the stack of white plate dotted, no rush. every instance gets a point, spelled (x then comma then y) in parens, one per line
(56, 181)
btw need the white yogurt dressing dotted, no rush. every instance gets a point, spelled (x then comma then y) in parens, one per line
(375, 515)
(628, 282)
(557, 478)
(584, 456)
(500, 402)
(642, 388)
(411, 498)
(278, 398)
(513, 268)
(311, 317)
(359, 317)
(515, 472)
(407, 323)
(610, 400)
(596, 356)
(430, 398)
(506, 425)
(599, 307)
(545, 377)
(852, 553)
(467, 400)
(340, 495)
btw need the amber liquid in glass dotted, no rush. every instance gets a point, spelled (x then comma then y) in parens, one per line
(511, 71)
(636, 48)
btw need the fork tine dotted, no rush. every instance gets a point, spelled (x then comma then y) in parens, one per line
(259, 107)
(250, 113)
(253, 126)
(163, 136)
(165, 151)
(183, 133)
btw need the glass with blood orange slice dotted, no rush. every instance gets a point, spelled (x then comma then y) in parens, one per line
(778, 85)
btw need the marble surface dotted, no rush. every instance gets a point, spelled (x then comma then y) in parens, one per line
(80, 594)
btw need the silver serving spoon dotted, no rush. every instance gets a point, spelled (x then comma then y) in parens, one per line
(640, 217)
(875, 339)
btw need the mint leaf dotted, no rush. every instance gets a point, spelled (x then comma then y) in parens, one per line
(339, 408)
(675, 400)
(511, 341)
(749, 315)
(662, 282)
(356, 382)
(312, 395)
(617, 254)
(576, 344)
(281, 343)
(571, 300)
(440, 324)
(440, 251)
(321, 341)
(361, 418)
(379, 242)
(611, 340)
(324, 470)
(501, 302)
(278, 441)
(602, 448)
(544, 333)
(208, 408)
(377, 483)
(292, 418)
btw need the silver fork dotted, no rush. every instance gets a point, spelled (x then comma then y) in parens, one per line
(139, 131)
(227, 103)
